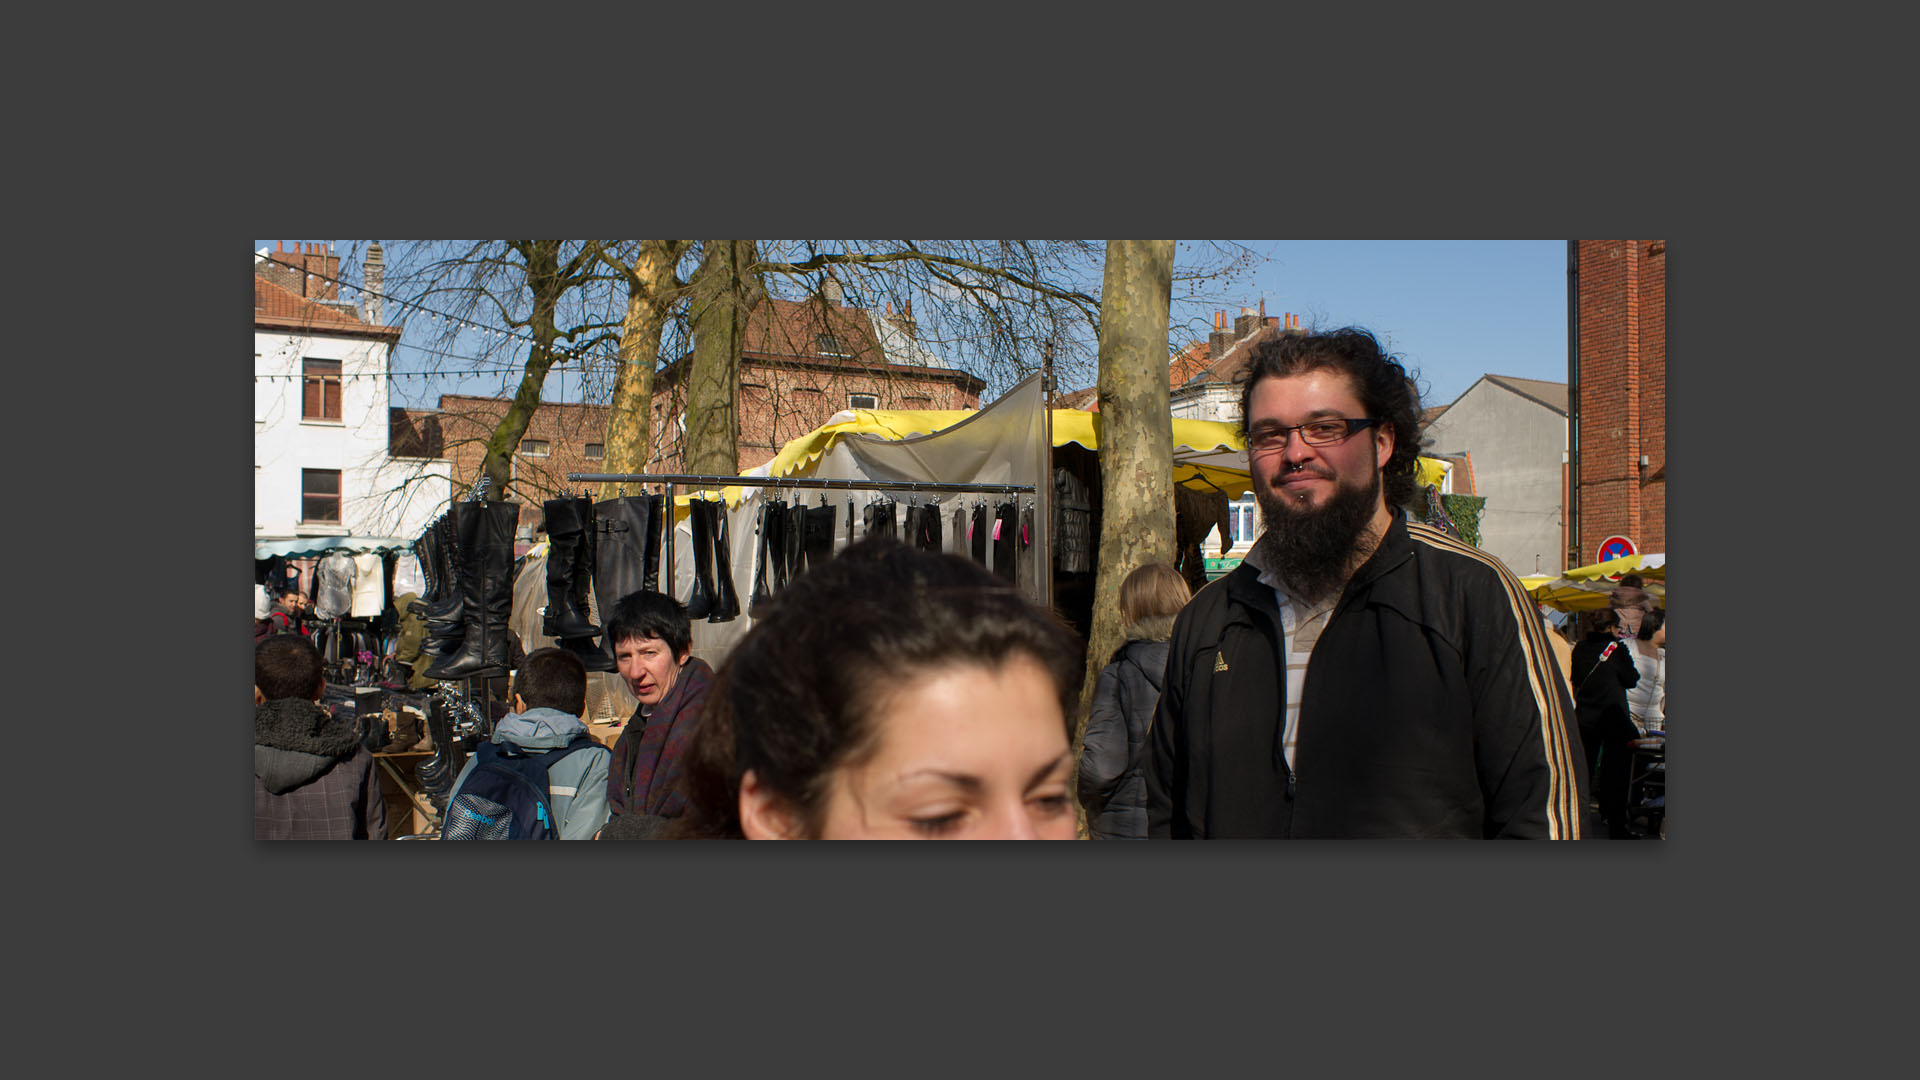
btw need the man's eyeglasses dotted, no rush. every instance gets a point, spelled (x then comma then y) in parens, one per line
(1316, 433)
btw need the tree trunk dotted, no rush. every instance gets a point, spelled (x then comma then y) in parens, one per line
(546, 283)
(1136, 438)
(724, 292)
(650, 294)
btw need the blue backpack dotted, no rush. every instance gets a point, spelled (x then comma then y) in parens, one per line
(505, 797)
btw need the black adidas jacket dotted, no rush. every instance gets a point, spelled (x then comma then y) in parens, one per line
(1432, 708)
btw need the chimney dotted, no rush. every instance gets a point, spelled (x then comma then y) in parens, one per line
(1221, 339)
(1247, 323)
(830, 289)
(373, 273)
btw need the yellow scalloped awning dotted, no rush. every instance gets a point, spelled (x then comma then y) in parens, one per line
(1206, 453)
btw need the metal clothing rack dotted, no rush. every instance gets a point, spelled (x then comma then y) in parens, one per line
(704, 482)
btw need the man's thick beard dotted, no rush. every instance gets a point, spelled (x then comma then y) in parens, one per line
(1310, 548)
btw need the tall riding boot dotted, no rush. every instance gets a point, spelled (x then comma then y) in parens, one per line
(501, 517)
(446, 549)
(796, 540)
(700, 602)
(818, 540)
(777, 544)
(483, 573)
(761, 594)
(619, 547)
(429, 573)
(659, 517)
(568, 521)
(726, 601)
(591, 652)
(910, 528)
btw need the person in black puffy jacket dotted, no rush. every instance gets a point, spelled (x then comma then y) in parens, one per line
(1112, 787)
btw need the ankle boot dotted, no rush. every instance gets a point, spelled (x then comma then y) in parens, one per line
(700, 602)
(406, 732)
(568, 522)
(726, 601)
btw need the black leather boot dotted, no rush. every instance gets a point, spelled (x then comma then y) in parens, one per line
(659, 517)
(619, 550)
(485, 538)
(568, 522)
(777, 544)
(796, 540)
(501, 517)
(446, 551)
(700, 601)
(590, 653)
(726, 601)
(761, 593)
(818, 540)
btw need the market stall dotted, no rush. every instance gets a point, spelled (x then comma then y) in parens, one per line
(1589, 588)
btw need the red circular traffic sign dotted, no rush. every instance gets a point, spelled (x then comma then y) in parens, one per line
(1614, 547)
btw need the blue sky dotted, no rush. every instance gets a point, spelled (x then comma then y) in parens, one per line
(1453, 309)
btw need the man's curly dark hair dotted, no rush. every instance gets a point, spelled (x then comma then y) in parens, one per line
(1387, 391)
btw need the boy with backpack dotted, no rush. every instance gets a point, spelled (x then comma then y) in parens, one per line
(541, 776)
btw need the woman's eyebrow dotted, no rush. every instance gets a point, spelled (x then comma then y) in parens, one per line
(971, 783)
(1049, 768)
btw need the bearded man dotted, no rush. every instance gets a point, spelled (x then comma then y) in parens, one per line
(1358, 675)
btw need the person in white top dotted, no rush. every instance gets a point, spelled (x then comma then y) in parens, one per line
(1647, 700)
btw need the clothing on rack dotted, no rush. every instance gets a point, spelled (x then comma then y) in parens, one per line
(1005, 524)
(333, 585)
(977, 532)
(407, 575)
(369, 587)
(926, 536)
(1072, 523)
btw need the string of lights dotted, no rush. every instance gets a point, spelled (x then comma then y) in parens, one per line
(432, 314)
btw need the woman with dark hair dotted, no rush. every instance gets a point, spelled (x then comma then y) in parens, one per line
(890, 693)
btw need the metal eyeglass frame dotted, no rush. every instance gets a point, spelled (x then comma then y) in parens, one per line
(1277, 438)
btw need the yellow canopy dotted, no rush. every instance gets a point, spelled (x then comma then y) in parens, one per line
(1588, 588)
(1206, 453)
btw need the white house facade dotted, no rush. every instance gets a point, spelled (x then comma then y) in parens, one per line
(322, 463)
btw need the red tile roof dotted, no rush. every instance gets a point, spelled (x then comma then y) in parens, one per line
(275, 307)
(1187, 363)
(788, 328)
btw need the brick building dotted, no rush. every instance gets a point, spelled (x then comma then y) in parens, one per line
(801, 363)
(561, 437)
(1617, 376)
(804, 361)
